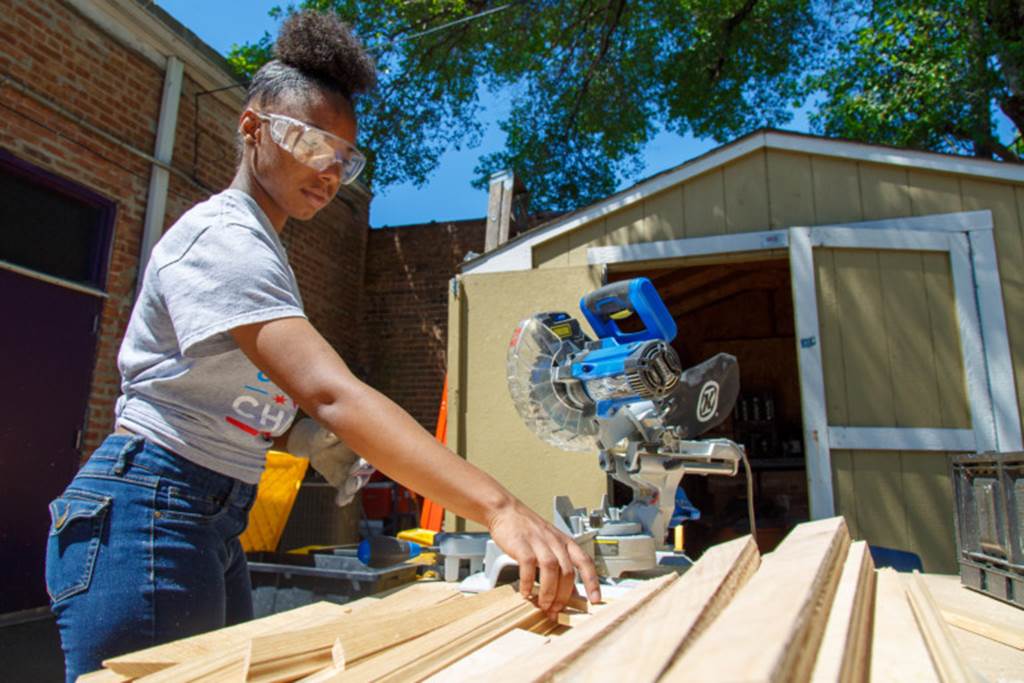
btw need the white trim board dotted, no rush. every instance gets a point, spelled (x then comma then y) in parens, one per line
(518, 254)
(817, 446)
(901, 439)
(693, 246)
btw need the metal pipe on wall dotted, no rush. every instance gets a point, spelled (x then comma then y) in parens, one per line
(156, 200)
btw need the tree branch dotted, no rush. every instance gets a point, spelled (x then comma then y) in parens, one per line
(728, 27)
(606, 37)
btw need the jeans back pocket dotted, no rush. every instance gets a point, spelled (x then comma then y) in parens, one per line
(76, 527)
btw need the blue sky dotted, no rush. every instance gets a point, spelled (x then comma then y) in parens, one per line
(448, 195)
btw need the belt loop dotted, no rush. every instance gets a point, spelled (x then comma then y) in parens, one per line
(131, 447)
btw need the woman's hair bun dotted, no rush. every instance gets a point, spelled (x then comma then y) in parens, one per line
(322, 46)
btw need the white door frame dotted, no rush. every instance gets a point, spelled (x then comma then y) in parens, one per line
(967, 238)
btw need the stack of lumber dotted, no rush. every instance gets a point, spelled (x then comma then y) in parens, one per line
(814, 609)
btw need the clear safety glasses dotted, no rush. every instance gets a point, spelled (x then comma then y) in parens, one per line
(313, 147)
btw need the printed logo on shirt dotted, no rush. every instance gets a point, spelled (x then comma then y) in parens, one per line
(263, 410)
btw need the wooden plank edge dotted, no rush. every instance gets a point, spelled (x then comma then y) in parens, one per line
(1001, 634)
(545, 661)
(664, 627)
(949, 661)
(846, 643)
(747, 641)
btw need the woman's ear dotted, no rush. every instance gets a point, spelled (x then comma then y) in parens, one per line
(249, 126)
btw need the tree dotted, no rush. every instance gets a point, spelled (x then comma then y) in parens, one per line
(590, 81)
(928, 74)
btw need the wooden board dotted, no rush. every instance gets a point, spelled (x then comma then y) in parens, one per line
(771, 629)
(898, 650)
(544, 663)
(993, 659)
(151, 660)
(439, 648)
(846, 644)
(505, 649)
(664, 627)
(946, 656)
(292, 654)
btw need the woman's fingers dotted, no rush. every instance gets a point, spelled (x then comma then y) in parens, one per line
(541, 549)
(588, 572)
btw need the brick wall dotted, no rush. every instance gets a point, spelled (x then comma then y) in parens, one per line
(62, 57)
(406, 319)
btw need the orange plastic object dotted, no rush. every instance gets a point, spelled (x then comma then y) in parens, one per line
(275, 497)
(432, 515)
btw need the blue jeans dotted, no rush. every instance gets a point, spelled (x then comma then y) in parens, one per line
(143, 549)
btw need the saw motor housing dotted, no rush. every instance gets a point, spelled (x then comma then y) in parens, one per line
(625, 396)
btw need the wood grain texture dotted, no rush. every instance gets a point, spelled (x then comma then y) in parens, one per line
(664, 627)
(437, 649)
(898, 651)
(299, 652)
(946, 656)
(771, 630)
(977, 612)
(153, 659)
(846, 644)
(102, 676)
(997, 632)
(502, 650)
(544, 663)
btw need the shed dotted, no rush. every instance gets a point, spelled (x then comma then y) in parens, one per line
(874, 297)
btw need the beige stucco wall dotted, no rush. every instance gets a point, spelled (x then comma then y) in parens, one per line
(483, 423)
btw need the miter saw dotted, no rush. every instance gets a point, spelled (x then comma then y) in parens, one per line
(625, 396)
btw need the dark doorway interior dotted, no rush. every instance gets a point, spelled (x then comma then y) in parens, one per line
(745, 309)
(54, 252)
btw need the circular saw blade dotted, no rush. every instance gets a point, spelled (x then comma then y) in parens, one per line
(533, 356)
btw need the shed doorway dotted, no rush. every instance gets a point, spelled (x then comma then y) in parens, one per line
(744, 309)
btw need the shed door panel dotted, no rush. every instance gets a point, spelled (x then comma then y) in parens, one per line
(493, 436)
(890, 341)
(890, 347)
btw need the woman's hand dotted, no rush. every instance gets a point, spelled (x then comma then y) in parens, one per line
(537, 545)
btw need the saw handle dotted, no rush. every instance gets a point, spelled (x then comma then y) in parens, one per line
(620, 300)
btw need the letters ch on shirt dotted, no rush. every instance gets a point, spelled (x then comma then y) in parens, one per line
(264, 406)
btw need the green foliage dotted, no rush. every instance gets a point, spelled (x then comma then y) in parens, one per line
(927, 74)
(589, 82)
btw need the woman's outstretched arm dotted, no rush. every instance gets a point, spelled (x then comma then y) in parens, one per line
(304, 365)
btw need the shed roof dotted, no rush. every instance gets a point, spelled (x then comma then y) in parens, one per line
(516, 254)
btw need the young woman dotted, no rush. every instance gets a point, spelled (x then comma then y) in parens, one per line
(217, 358)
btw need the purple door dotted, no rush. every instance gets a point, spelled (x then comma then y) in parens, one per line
(47, 351)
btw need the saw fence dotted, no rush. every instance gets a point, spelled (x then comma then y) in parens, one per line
(814, 609)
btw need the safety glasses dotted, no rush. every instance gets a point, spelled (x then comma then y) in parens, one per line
(313, 147)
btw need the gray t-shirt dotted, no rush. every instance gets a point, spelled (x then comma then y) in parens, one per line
(185, 383)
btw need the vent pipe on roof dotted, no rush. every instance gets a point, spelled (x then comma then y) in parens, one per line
(499, 209)
(507, 209)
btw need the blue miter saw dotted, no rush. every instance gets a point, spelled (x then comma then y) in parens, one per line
(625, 396)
